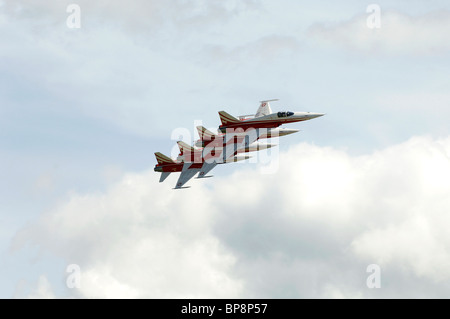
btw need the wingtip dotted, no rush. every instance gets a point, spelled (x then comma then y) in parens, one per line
(203, 177)
(184, 187)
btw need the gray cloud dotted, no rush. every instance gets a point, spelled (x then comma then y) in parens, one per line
(310, 230)
(399, 34)
(144, 15)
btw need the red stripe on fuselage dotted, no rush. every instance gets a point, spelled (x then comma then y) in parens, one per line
(259, 124)
(170, 168)
(177, 167)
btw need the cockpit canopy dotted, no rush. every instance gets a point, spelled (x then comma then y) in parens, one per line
(285, 114)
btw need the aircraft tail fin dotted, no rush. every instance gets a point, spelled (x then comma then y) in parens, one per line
(163, 159)
(264, 108)
(185, 147)
(204, 133)
(227, 118)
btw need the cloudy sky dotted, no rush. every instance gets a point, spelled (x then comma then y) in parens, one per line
(82, 110)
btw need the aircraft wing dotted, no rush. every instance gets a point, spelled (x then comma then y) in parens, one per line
(186, 174)
(206, 168)
(163, 176)
(232, 144)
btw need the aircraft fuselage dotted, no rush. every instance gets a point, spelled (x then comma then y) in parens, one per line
(271, 120)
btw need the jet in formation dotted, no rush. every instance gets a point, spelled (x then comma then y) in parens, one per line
(235, 138)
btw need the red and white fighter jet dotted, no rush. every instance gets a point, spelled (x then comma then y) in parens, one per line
(264, 118)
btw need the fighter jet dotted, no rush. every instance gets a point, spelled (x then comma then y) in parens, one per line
(212, 149)
(264, 118)
(206, 136)
(210, 144)
(189, 162)
(166, 165)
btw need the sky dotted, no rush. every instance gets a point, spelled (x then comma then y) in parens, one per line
(83, 110)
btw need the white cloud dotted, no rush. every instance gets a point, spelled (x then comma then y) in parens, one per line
(399, 34)
(43, 289)
(310, 230)
(138, 240)
(417, 246)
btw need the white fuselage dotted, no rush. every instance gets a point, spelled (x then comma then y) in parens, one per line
(272, 120)
(286, 117)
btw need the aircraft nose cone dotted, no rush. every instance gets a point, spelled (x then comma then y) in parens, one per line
(315, 115)
(288, 131)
